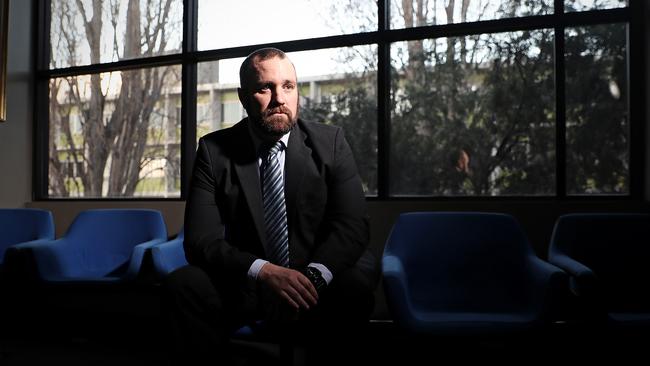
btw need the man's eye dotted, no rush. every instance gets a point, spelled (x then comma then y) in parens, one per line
(289, 86)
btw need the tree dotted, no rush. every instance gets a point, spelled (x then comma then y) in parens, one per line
(112, 112)
(597, 115)
(355, 110)
(475, 115)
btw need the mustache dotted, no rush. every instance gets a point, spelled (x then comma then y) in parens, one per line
(279, 109)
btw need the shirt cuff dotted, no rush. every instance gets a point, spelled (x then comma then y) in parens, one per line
(327, 275)
(255, 268)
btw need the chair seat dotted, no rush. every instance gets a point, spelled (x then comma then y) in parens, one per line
(631, 317)
(105, 246)
(443, 322)
(607, 256)
(84, 279)
(466, 272)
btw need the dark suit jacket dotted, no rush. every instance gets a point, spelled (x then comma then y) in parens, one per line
(326, 213)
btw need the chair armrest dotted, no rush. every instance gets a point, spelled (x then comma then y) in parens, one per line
(52, 258)
(546, 273)
(168, 256)
(397, 292)
(571, 266)
(29, 244)
(137, 257)
(550, 287)
(583, 280)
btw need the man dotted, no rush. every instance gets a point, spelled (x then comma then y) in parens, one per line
(275, 222)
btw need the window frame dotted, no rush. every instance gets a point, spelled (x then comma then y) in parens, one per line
(190, 57)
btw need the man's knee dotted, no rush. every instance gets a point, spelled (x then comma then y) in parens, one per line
(189, 280)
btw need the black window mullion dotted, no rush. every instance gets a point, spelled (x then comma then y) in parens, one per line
(188, 93)
(41, 131)
(383, 102)
(637, 38)
(560, 106)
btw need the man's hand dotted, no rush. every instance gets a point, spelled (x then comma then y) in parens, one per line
(290, 285)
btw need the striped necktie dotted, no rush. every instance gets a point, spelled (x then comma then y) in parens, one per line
(275, 211)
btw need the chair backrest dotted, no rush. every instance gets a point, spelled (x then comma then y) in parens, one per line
(19, 225)
(616, 247)
(464, 261)
(104, 239)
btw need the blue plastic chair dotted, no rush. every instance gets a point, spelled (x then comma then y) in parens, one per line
(100, 246)
(466, 273)
(607, 256)
(21, 225)
(169, 255)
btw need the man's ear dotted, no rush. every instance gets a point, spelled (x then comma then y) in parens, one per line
(243, 99)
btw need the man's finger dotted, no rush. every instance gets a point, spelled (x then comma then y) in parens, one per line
(289, 300)
(297, 296)
(308, 290)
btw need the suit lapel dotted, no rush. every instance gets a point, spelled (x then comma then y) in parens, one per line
(296, 155)
(247, 169)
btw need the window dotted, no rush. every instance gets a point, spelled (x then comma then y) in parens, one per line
(478, 98)
(474, 116)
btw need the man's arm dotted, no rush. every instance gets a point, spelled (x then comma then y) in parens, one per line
(343, 234)
(205, 243)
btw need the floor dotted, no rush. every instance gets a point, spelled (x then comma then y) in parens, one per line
(130, 331)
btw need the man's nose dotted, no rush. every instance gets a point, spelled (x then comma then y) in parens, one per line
(278, 96)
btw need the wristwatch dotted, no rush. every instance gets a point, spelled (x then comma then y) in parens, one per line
(316, 278)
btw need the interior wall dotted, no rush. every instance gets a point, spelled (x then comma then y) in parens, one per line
(16, 132)
(64, 212)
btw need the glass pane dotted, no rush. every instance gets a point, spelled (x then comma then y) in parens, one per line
(115, 134)
(91, 32)
(248, 22)
(582, 5)
(417, 13)
(473, 115)
(597, 110)
(217, 103)
(337, 86)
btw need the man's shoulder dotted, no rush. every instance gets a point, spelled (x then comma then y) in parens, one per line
(226, 135)
(318, 130)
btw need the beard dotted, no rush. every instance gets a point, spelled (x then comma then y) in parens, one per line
(276, 122)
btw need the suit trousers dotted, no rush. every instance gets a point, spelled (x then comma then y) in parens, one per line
(203, 315)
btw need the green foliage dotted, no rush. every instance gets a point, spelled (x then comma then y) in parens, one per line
(486, 126)
(597, 110)
(355, 110)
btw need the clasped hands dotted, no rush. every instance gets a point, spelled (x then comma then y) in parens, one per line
(291, 285)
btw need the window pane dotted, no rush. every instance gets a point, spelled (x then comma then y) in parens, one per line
(82, 33)
(473, 115)
(247, 22)
(417, 13)
(337, 86)
(115, 134)
(582, 5)
(597, 110)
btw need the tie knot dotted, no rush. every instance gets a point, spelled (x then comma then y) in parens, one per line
(275, 149)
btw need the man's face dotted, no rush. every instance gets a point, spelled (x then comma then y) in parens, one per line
(270, 97)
